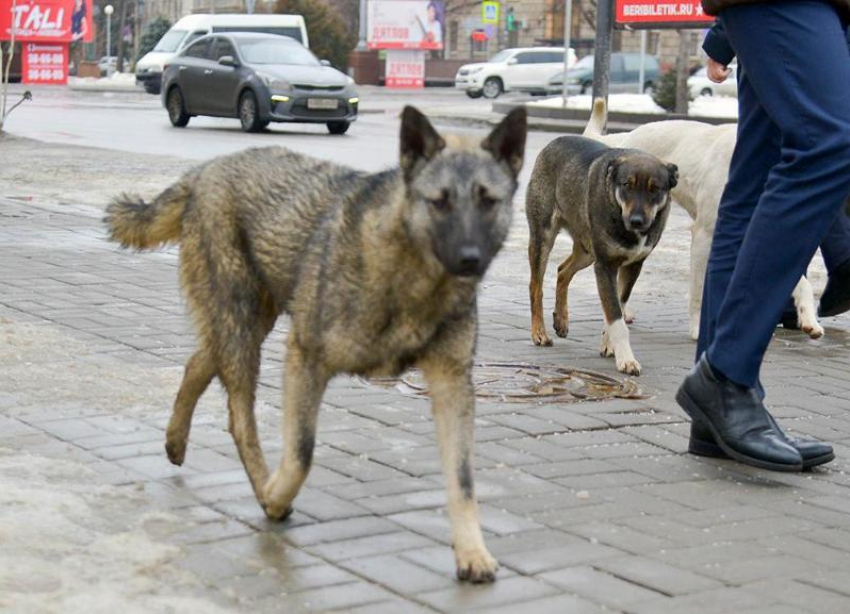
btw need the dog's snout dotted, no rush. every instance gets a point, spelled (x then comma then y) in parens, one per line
(637, 221)
(469, 260)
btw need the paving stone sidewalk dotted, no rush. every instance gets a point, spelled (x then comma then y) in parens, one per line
(590, 507)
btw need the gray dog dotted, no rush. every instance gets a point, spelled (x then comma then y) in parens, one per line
(379, 272)
(614, 203)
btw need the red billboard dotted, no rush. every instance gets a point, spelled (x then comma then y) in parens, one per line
(45, 64)
(46, 21)
(654, 14)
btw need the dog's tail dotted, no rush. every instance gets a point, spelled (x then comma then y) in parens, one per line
(134, 223)
(598, 116)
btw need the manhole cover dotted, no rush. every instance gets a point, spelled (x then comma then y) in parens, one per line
(524, 383)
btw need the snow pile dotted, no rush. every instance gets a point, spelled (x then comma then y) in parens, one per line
(62, 549)
(617, 103)
(714, 106)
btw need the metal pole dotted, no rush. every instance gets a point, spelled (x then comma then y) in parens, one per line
(568, 20)
(642, 78)
(602, 51)
(361, 44)
(108, 11)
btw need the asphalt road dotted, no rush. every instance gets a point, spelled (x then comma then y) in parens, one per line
(136, 122)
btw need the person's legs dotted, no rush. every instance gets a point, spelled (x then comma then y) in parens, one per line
(794, 57)
(757, 150)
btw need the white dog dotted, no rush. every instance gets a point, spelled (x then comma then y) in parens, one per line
(703, 153)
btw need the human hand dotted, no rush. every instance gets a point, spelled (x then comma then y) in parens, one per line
(716, 71)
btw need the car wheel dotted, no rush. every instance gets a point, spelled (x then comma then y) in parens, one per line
(585, 87)
(492, 87)
(177, 109)
(706, 91)
(152, 87)
(249, 113)
(472, 94)
(340, 127)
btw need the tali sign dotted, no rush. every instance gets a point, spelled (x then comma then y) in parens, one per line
(654, 14)
(55, 21)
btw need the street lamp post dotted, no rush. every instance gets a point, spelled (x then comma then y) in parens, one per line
(568, 19)
(108, 10)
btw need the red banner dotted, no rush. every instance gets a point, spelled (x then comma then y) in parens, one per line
(405, 69)
(45, 64)
(53, 21)
(646, 14)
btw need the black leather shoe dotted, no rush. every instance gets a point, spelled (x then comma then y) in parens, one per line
(836, 295)
(737, 419)
(814, 453)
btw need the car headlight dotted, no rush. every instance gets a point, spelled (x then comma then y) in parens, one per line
(574, 80)
(477, 69)
(273, 82)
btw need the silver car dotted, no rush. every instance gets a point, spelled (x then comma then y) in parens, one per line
(258, 78)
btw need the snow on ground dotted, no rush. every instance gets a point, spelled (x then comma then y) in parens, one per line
(703, 106)
(714, 106)
(118, 81)
(62, 549)
(618, 103)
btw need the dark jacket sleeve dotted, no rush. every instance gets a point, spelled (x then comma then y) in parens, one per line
(717, 46)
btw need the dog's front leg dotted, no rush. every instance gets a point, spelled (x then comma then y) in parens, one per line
(453, 405)
(615, 335)
(701, 237)
(303, 386)
(804, 301)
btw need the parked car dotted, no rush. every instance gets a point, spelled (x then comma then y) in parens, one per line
(106, 63)
(700, 85)
(258, 78)
(149, 68)
(518, 70)
(623, 78)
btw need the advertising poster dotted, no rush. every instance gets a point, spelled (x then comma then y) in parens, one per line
(405, 24)
(45, 63)
(47, 21)
(654, 14)
(405, 69)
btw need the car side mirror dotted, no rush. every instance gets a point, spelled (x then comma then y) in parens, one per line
(228, 60)
(324, 63)
(512, 61)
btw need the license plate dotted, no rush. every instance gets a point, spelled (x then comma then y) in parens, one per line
(322, 103)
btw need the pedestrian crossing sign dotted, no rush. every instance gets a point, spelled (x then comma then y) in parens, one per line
(490, 12)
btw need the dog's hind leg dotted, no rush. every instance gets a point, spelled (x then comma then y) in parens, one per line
(540, 245)
(701, 237)
(199, 373)
(626, 279)
(804, 301)
(453, 406)
(578, 260)
(304, 384)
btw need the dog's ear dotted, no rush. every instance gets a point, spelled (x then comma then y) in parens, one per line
(673, 170)
(507, 141)
(419, 140)
(611, 172)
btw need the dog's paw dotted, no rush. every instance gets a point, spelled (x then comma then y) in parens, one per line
(275, 513)
(628, 315)
(629, 367)
(561, 324)
(476, 566)
(605, 348)
(812, 329)
(176, 451)
(541, 338)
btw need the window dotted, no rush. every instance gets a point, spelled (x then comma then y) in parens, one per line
(526, 58)
(199, 49)
(193, 37)
(631, 62)
(453, 30)
(171, 41)
(293, 32)
(223, 48)
(553, 57)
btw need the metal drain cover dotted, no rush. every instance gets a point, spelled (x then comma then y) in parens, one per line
(525, 383)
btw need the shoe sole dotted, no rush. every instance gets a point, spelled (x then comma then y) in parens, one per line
(692, 409)
(712, 450)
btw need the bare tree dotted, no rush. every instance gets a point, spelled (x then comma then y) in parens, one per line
(682, 72)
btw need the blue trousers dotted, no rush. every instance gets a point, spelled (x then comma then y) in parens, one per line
(789, 175)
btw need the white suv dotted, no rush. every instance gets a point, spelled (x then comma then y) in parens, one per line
(521, 70)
